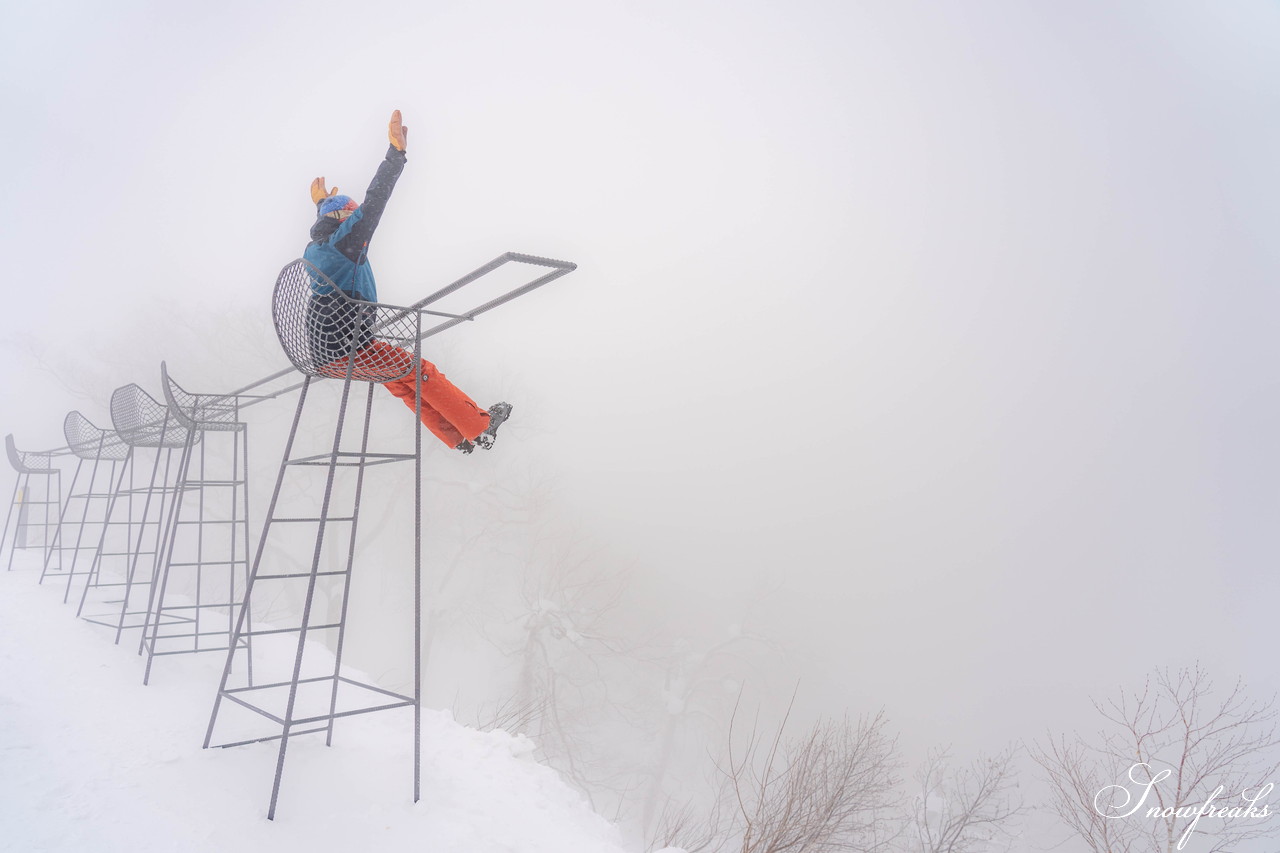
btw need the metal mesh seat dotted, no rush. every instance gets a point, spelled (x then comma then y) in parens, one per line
(201, 412)
(142, 421)
(28, 462)
(320, 327)
(89, 442)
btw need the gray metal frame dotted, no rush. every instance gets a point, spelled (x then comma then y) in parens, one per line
(357, 324)
(28, 464)
(147, 426)
(310, 315)
(95, 446)
(400, 326)
(200, 416)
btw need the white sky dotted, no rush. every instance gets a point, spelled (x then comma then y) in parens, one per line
(949, 326)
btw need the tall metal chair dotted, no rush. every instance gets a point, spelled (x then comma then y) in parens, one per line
(29, 464)
(327, 334)
(204, 564)
(100, 449)
(145, 425)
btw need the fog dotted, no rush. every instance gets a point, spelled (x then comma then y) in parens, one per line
(932, 344)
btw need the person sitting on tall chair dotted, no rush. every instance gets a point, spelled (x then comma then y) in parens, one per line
(339, 248)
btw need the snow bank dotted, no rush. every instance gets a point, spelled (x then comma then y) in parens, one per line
(92, 760)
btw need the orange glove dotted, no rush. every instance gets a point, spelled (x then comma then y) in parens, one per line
(397, 132)
(319, 193)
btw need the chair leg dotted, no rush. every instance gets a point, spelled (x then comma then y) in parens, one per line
(17, 487)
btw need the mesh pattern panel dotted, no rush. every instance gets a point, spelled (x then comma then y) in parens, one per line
(320, 327)
(206, 412)
(89, 442)
(25, 462)
(143, 421)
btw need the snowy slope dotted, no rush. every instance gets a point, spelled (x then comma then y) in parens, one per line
(90, 760)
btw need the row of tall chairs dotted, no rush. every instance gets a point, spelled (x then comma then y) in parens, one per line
(152, 533)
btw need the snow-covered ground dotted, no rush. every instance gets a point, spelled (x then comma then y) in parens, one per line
(91, 760)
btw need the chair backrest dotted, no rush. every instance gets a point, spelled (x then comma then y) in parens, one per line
(320, 328)
(27, 463)
(89, 442)
(204, 412)
(142, 421)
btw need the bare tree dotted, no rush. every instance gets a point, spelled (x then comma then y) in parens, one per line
(689, 828)
(1076, 773)
(1174, 760)
(572, 662)
(963, 809)
(510, 715)
(832, 789)
(696, 698)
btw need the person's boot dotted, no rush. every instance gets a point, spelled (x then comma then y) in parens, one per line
(465, 446)
(498, 414)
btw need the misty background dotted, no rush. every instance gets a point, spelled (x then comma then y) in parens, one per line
(919, 353)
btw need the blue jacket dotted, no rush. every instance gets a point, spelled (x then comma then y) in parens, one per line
(340, 249)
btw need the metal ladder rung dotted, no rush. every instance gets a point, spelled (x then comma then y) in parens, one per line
(211, 563)
(386, 461)
(324, 458)
(94, 617)
(334, 518)
(114, 615)
(289, 630)
(374, 688)
(252, 707)
(275, 684)
(193, 651)
(175, 620)
(269, 737)
(297, 575)
(404, 703)
(190, 621)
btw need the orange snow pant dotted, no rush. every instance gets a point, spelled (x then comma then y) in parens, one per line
(450, 414)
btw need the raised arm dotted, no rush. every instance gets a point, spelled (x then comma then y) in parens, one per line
(375, 199)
